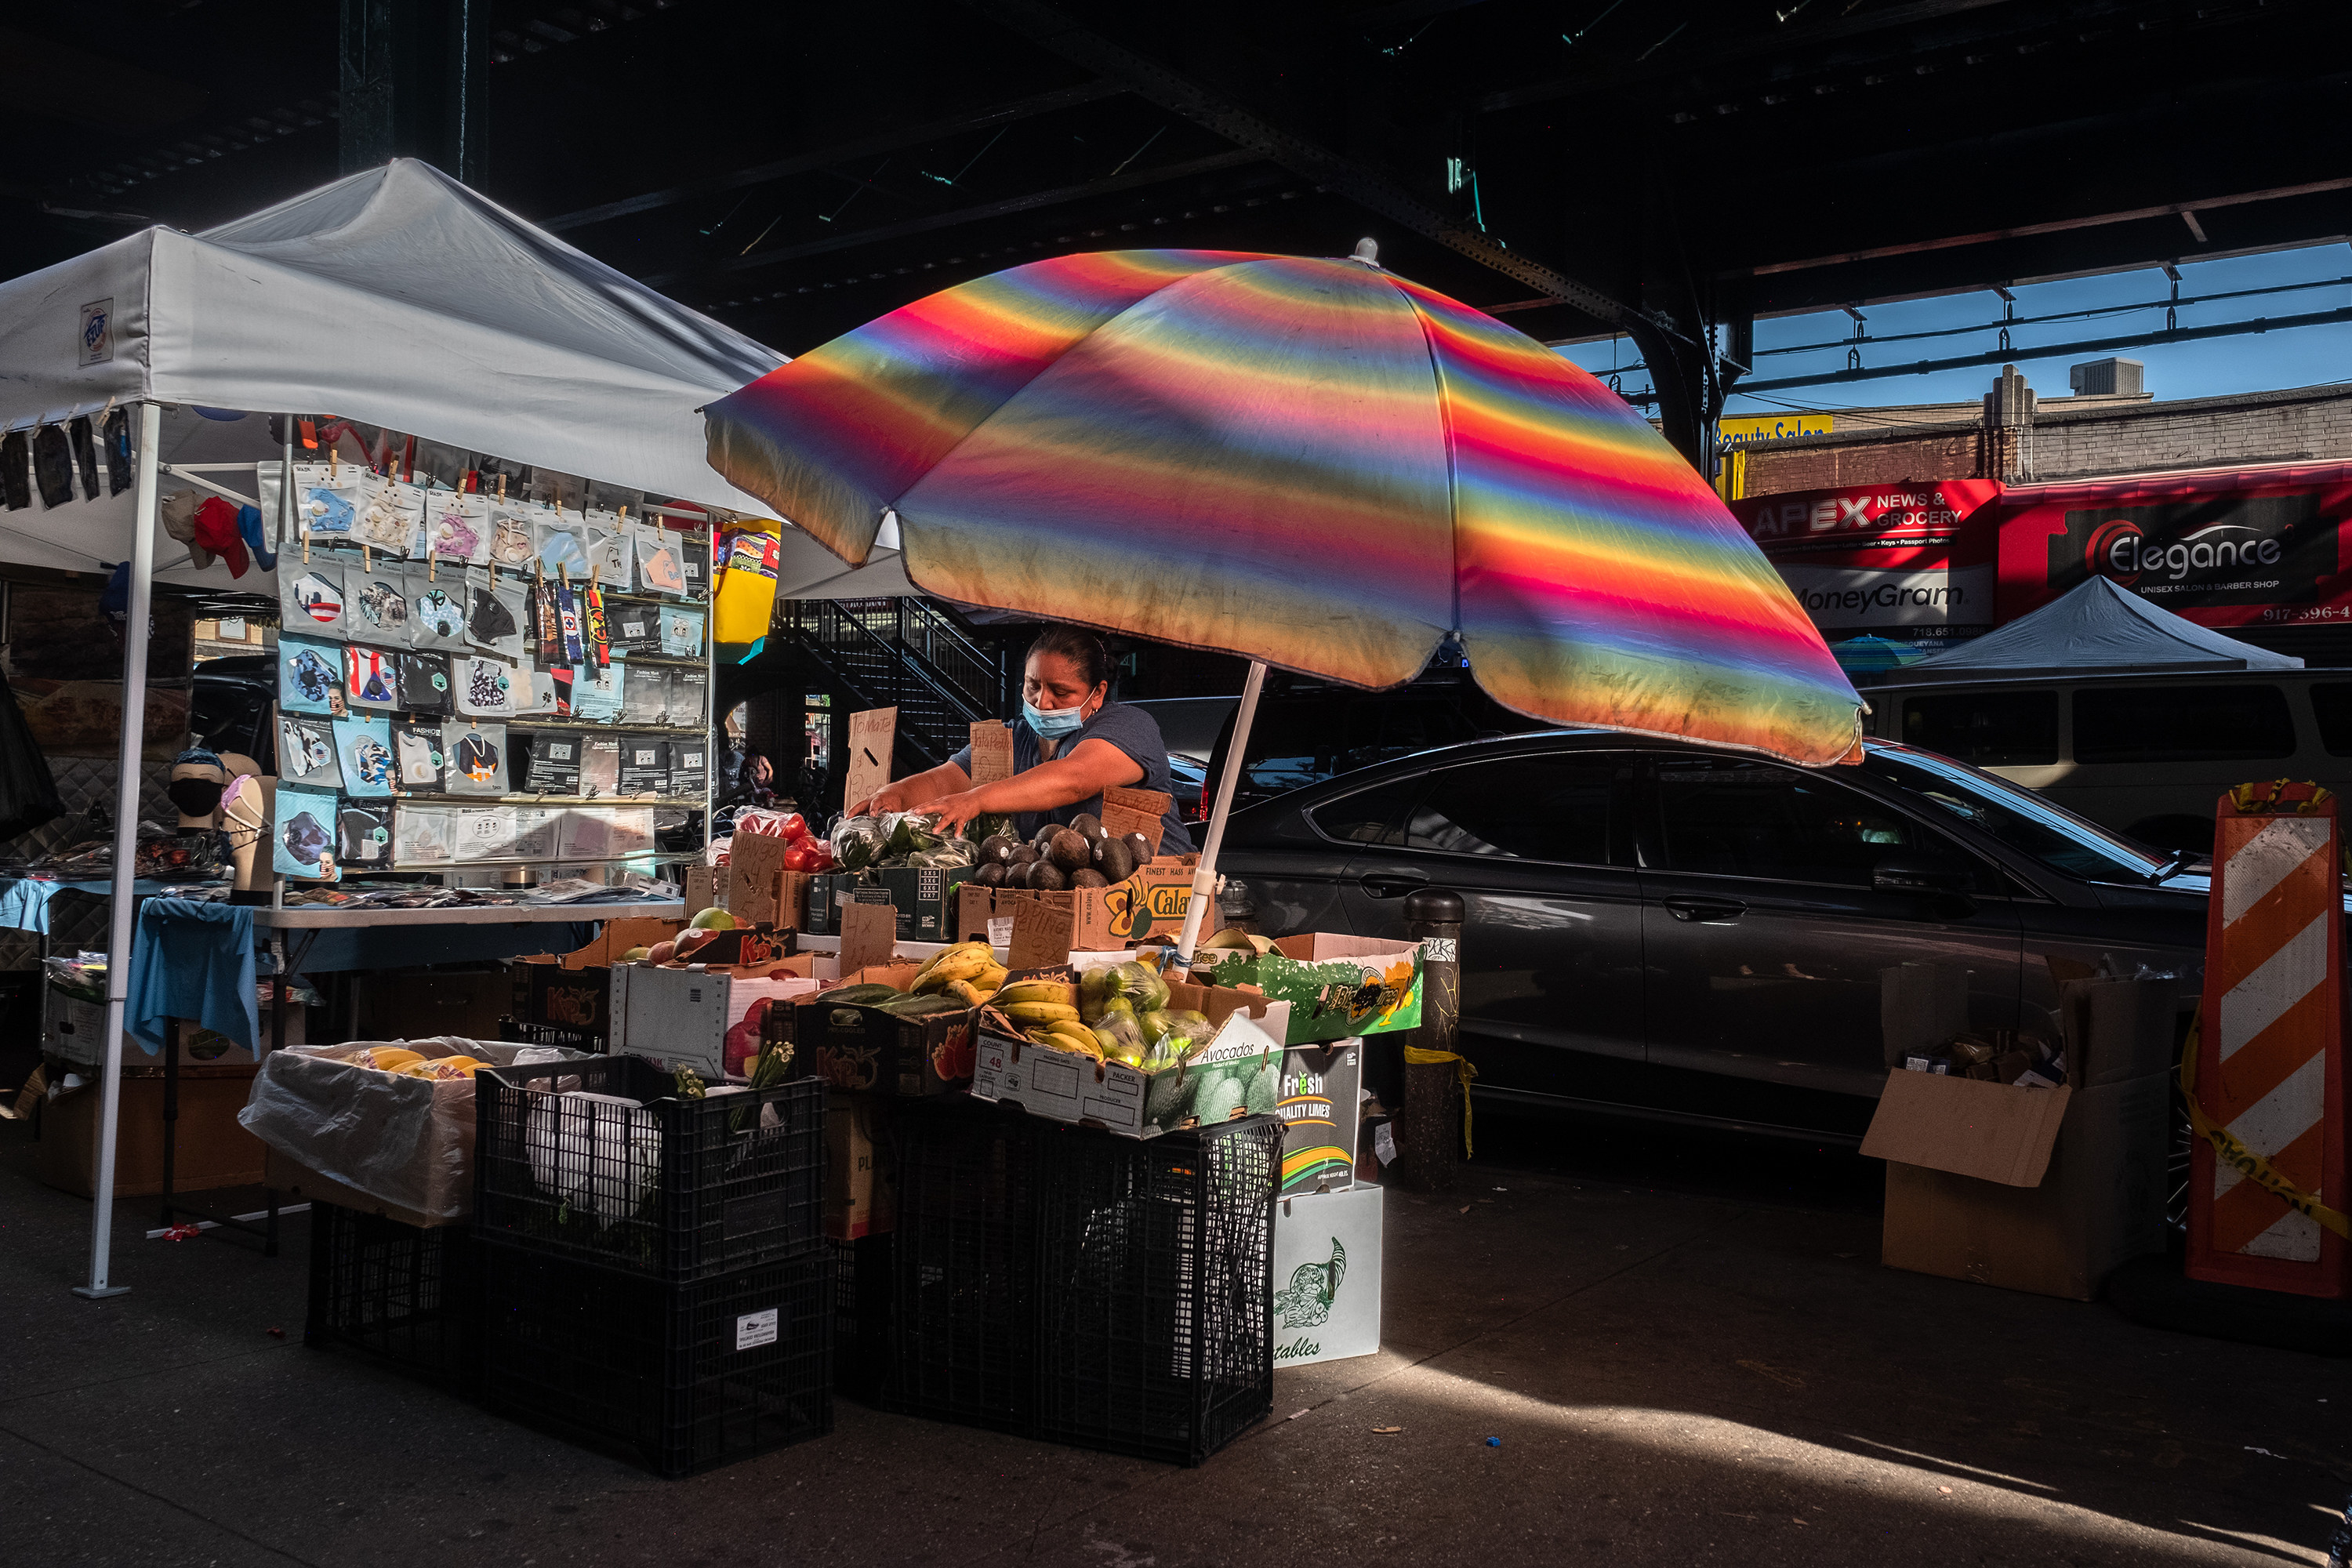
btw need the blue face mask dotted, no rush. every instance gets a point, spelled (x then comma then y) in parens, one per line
(1056, 723)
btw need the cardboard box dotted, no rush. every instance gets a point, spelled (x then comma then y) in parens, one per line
(2116, 1030)
(1318, 1101)
(295, 1183)
(919, 893)
(213, 1150)
(1148, 904)
(1064, 1086)
(861, 1179)
(1337, 985)
(866, 1048)
(574, 990)
(1327, 1276)
(684, 1017)
(74, 1029)
(2044, 1190)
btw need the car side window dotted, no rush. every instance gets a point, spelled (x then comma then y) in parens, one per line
(1556, 808)
(1375, 815)
(1722, 817)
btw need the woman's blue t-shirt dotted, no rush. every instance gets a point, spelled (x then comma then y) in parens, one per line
(1133, 731)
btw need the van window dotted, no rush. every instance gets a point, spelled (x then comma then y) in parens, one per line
(1987, 729)
(2332, 700)
(2183, 724)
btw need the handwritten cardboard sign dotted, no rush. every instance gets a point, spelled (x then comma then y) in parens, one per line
(992, 752)
(871, 735)
(1041, 933)
(1143, 811)
(869, 935)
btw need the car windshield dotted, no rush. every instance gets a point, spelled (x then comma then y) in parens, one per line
(2018, 818)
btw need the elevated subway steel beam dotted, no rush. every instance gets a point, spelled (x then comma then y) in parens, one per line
(948, 219)
(1050, 29)
(806, 162)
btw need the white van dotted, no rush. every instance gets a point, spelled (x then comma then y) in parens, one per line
(2148, 755)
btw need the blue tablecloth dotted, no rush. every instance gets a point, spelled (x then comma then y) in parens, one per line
(24, 900)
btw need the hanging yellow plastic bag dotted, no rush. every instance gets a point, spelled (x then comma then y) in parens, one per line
(745, 562)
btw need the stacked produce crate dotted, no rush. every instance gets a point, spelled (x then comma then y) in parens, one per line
(407, 1295)
(1066, 1283)
(653, 1270)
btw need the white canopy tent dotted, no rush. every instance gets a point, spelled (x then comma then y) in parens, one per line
(396, 297)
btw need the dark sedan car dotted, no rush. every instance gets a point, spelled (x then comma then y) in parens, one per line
(1694, 933)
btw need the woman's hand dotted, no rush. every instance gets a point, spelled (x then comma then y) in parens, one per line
(953, 811)
(889, 797)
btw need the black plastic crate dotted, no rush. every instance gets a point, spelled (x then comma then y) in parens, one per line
(671, 1188)
(408, 1296)
(1155, 1287)
(679, 1378)
(861, 1317)
(962, 1334)
(517, 1032)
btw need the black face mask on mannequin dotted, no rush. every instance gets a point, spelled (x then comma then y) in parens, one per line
(195, 797)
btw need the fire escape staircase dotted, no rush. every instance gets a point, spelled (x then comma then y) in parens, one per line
(905, 654)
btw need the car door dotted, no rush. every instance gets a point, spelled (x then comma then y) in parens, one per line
(1540, 846)
(1771, 948)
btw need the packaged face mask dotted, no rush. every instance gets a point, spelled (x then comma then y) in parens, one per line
(612, 552)
(600, 764)
(660, 566)
(458, 528)
(310, 598)
(437, 611)
(423, 835)
(424, 683)
(493, 616)
(689, 770)
(560, 550)
(364, 747)
(365, 831)
(475, 758)
(306, 751)
(646, 696)
(534, 691)
(482, 686)
(510, 541)
(689, 690)
(645, 764)
(596, 694)
(53, 466)
(327, 508)
(553, 765)
(302, 833)
(390, 514)
(416, 756)
(632, 627)
(376, 604)
(309, 676)
(681, 632)
(369, 676)
(16, 470)
(486, 833)
(535, 831)
(84, 442)
(586, 834)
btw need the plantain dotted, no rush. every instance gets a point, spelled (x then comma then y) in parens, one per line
(967, 993)
(1059, 991)
(991, 979)
(950, 969)
(1038, 1014)
(954, 951)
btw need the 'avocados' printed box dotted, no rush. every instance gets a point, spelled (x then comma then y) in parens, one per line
(1336, 986)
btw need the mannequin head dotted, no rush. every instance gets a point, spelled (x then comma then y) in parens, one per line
(195, 786)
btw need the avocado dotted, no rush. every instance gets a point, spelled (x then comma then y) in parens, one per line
(1088, 879)
(1114, 860)
(1071, 851)
(996, 847)
(1021, 855)
(1139, 846)
(1090, 825)
(989, 875)
(1044, 877)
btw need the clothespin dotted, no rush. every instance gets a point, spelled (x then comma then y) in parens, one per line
(502, 487)
(367, 557)
(334, 463)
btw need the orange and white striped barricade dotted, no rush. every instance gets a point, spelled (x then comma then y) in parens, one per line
(2264, 1073)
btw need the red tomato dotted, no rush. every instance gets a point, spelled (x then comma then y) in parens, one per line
(793, 828)
(801, 857)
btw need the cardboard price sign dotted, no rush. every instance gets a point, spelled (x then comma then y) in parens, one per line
(1143, 811)
(992, 752)
(869, 935)
(871, 735)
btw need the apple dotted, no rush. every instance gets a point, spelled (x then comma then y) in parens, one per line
(743, 1040)
(661, 953)
(713, 919)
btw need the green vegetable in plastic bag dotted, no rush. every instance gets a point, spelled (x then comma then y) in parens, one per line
(857, 842)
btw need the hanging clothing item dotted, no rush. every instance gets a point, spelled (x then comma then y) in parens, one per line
(193, 960)
(28, 791)
(16, 472)
(116, 432)
(215, 526)
(85, 451)
(53, 464)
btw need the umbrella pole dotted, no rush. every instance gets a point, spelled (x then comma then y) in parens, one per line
(126, 851)
(1204, 879)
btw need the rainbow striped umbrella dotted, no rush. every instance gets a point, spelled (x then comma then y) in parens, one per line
(1312, 463)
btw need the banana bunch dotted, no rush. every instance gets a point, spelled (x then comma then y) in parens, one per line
(968, 971)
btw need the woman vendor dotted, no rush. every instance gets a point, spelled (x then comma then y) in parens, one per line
(1070, 743)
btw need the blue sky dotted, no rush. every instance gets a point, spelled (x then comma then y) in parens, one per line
(2249, 363)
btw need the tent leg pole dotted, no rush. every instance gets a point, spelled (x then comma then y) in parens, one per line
(1205, 880)
(126, 850)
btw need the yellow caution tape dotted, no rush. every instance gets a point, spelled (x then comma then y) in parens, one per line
(2237, 1156)
(1462, 1071)
(2279, 796)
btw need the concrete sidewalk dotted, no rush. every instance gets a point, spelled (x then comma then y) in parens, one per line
(1716, 1370)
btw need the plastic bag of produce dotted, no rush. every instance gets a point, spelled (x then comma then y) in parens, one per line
(857, 842)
